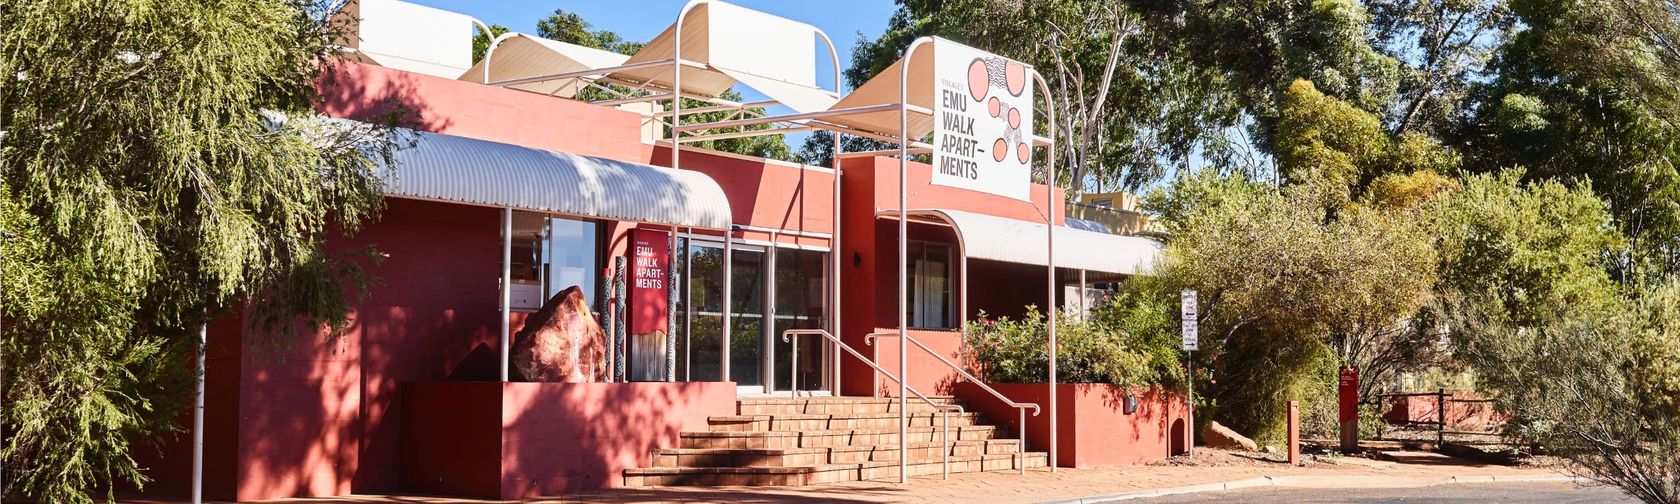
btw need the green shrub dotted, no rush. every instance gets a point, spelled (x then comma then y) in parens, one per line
(1096, 350)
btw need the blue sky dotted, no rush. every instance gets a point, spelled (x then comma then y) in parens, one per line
(643, 19)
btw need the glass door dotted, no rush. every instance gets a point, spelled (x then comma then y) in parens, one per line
(705, 290)
(801, 292)
(788, 287)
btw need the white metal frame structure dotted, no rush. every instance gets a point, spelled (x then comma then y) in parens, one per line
(836, 120)
(656, 77)
(660, 76)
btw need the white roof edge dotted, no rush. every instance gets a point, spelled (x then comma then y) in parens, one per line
(995, 238)
(450, 168)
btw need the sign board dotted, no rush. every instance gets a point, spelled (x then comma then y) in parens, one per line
(1187, 318)
(649, 296)
(983, 121)
(1347, 389)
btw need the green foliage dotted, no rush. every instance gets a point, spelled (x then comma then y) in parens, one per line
(1098, 350)
(1338, 150)
(1287, 295)
(160, 164)
(1585, 91)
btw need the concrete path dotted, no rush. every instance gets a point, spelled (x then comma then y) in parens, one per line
(1065, 485)
(1490, 493)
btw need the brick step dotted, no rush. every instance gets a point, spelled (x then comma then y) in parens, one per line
(831, 438)
(832, 405)
(819, 474)
(806, 422)
(794, 457)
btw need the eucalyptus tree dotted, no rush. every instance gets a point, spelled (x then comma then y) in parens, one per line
(160, 166)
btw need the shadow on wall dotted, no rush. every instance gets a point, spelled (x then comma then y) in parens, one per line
(349, 93)
(519, 440)
(321, 420)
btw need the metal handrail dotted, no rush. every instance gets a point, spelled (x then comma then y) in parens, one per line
(944, 409)
(1020, 407)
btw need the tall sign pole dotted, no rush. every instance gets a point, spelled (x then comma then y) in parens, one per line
(1187, 319)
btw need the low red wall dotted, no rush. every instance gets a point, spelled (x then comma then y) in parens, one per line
(519, 440)
(1095, 430)
(1465, 411)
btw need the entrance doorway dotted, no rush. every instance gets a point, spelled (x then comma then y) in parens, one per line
(785, 287)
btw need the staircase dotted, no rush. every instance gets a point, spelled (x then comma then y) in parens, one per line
(809, 441)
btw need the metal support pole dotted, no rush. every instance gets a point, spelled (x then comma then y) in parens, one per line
(198, 418)
(1190, 402)
(507, 288)
(904, 256)
(1050, 249)
(728, 300)
(688, 306)
(767, 340)
(834, 250)
(1084, 309)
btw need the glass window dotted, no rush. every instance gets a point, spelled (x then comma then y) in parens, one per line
(929, 285)
(551, 254)
(570, 257)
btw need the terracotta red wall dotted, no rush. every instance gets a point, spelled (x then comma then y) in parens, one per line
(322, 419)
(1094, 430)
(869, 249)
(469, 109)
(521, 440)
(1465, 411)
(764, 193)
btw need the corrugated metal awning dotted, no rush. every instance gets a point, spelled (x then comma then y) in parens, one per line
(465, 170)
(1017, 241)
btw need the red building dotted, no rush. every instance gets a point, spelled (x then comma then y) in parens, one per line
(525, 178)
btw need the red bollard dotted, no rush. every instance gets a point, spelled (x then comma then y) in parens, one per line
(1294, 433)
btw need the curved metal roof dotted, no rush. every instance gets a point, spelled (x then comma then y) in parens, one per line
(1004, 239)
(464, 170)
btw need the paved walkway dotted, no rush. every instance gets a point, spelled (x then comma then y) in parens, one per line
(1043, 486)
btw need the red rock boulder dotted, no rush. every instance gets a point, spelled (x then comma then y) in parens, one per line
(561, 342)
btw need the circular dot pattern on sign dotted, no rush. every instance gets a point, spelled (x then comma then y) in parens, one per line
(1016, 76)
(994, 106)
(1000, 150)
(1023, 153)
(977, 79)
(1014, 118)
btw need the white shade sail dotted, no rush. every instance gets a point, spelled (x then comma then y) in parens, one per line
(523, 55)
(464, 170)
(732, 44)
(1017, 241)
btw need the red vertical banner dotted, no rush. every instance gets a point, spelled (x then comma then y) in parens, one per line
(1347, 385)
(649, 296)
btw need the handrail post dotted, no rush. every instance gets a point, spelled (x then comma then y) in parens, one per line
(793, 381)
(946, 446)
(1021, 449)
